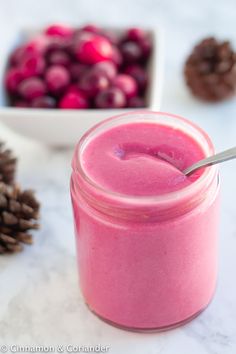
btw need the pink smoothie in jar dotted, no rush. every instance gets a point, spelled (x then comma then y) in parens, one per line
(146, 234)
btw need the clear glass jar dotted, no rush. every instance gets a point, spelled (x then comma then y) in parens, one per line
(146, 263)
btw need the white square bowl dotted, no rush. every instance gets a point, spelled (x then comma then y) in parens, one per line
(57, 127)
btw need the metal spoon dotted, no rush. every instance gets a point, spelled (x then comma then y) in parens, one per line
(212, 160)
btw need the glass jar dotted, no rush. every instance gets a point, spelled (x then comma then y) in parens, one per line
(146, 263)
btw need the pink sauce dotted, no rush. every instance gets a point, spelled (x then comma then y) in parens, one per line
(141, 159)
(143, 274)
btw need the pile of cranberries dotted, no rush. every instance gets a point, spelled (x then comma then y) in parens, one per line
(78, 68)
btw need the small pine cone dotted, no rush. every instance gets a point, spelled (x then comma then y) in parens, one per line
(19, 211)
(7, 165)
(210, 70)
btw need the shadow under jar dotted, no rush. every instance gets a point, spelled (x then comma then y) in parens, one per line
(146, 234)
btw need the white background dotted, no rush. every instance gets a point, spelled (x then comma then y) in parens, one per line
(39, 298)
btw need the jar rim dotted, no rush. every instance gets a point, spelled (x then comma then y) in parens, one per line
(207, 174)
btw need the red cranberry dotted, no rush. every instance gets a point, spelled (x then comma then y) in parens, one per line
(126, 84)
(12, 79)
(57, 79)
(32, 66)
(60, 30)
(136, 34)
(106, 68)
(20, 54)
(91, 48)
(21, 104)
(110, 98)
(44, 102)
(92, 83)
(77, 70)
(73, 100)
(31, 88)
(59, 57)
(91, 28)
(136, 102)
(139, 74)
(131, 52)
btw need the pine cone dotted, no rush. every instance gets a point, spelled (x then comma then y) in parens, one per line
(210, 70)
(19, 211)
(7, 165)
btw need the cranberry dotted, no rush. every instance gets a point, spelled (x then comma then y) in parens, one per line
(110, 98)
(92, 83)
(91, 28)
(44, 102)
(136, 102)
(142, 40)
(131, 52)
(126, 84)
(32, 66)
(12, 79)
(136, 34)
(139, 74)
(91, 48)
(59, 57)
(31, 88)
(57, 78)
(60, 30)
(106, 68)
(20, 54)
(73, 100)
(77, 70)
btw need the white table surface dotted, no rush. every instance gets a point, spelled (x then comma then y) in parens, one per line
(40, 302)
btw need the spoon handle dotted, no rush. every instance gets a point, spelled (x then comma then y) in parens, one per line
(212, 160)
